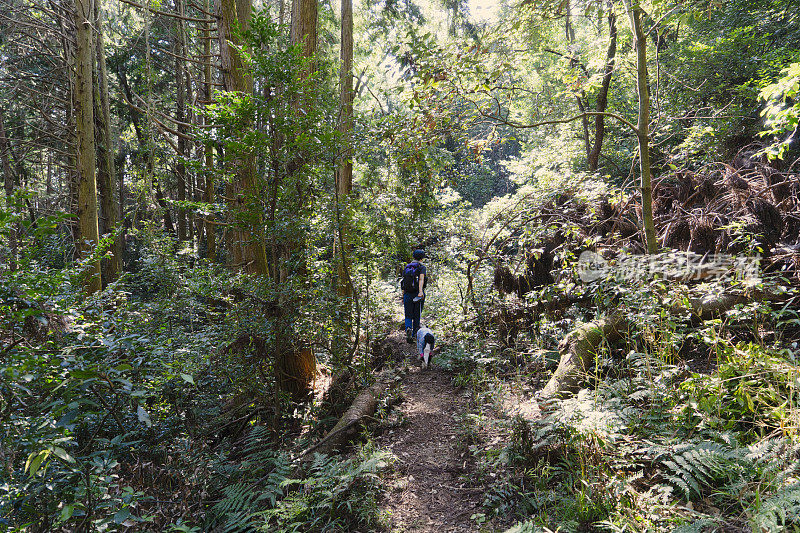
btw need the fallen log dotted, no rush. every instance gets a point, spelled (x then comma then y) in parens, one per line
(579, 347)
(365, 404)
(714, 305)
(578, 350)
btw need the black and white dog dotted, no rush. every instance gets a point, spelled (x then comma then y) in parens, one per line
(425, 342)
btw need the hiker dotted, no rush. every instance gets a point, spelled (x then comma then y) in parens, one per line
(413, 285)
(425, 342)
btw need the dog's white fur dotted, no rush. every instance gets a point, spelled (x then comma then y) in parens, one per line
(426, 356)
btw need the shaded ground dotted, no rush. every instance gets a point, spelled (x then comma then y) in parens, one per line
(435, 487)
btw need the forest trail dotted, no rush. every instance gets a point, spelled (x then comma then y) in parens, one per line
(434, 487)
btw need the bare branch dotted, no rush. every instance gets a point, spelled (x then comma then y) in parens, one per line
(168, 14)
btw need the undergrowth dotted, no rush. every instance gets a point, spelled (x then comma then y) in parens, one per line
(683, 427)
(131, 411)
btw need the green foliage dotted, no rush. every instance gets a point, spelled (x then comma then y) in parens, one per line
(259, 492)
(782, 111)
(693, 468)
(250, 485)
(97, 393)
(162, 387)
(74, 413)
(700, 46)
(757, 480)
(335, 495)
(780, 512)
(753, 391)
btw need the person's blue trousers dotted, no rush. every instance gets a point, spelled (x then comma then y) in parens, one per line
(413, 310)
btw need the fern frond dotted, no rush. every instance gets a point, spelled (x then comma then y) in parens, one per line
(780, 512)
(701, 525)
(693, 467)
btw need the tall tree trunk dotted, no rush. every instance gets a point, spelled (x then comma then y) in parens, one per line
(169, 225)
(295, 367)
(142, 135)
(49, 191)
(344, 174)
(8, 184)
(180, 115)
(602, 96)
(303, 33)
(569, 30)
(584, 122)
(244, 193)
(643, 125)
(89, 235)
(68, 44)
(208, 194)
(304, 26)
(106, 176)
(119, 166)
(581, 99)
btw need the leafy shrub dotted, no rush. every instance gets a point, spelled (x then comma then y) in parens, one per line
(753, 391)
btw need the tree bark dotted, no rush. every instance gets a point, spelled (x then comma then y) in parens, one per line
(602, 96)
(208, 194)
(643, 125)
(8, 184)
(106, 176)
(293, 364)
(365, 404)
(89, 235)
(578, 350)
(169, 225)
(580, 346)
(344, 174)
(180, 115)
(244, 200)
(143, 136)
(584, 123)
(296, 366)
(304, 26)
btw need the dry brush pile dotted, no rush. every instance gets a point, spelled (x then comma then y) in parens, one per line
(745, 207)
(733, 208)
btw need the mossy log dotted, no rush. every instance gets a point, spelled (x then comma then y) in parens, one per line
(714, 305)
(365, 404)
(578, 350)
(580, 346)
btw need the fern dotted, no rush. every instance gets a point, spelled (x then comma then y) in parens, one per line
(760, 479)
(702, 525)
(775, 461)
(239, 507)
(781, 512)
(335, 496)
(693, 467)
(254, 484)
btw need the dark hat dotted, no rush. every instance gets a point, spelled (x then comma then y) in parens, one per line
(418, 254)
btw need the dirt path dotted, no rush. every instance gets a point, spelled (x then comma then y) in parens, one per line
(434, 487)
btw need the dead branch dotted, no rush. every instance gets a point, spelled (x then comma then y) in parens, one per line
(168, 14)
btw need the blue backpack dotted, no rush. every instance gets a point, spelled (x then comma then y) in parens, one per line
(410, 281)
